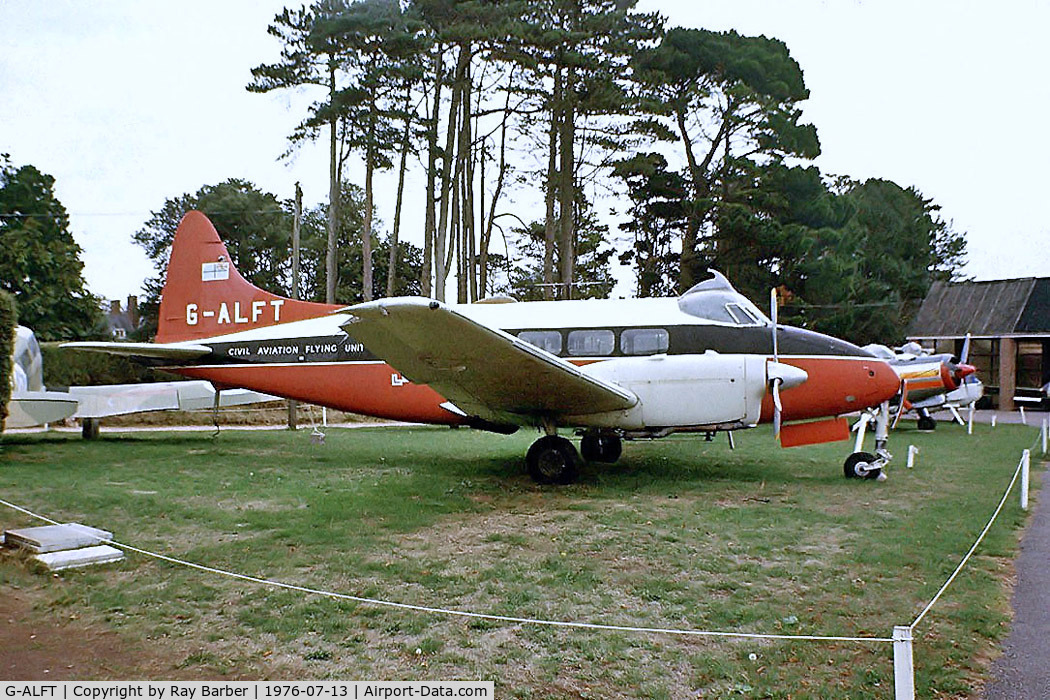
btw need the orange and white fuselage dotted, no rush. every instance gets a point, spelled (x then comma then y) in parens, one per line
(214, 325)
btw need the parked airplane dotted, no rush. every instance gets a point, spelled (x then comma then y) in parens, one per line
(930, 382)
(611, 369)
(32, 404)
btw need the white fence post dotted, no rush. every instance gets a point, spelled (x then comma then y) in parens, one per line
(1026, 462)
(903, 669)
(1046, 431)
(994, 417)
(913, 452)
(1024, 421)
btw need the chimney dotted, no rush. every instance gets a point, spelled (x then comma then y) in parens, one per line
(133, 310)
(114, 307)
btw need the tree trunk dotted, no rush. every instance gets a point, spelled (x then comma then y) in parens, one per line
(333, 196)
(366, 228)
(391, 273)
(441, 260)
(550, 226)
(430, 223)
(567, 190)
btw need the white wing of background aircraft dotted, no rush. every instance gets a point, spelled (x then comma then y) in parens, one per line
(32, 404)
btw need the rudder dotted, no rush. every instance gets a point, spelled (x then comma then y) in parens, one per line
(204, 295)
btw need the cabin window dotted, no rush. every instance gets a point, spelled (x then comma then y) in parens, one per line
(544, 340)
(643, 341)
(591, 343)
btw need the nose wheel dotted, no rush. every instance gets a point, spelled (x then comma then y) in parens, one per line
(552, 460)
(863, 465)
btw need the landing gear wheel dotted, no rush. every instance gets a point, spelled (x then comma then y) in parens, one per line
(927, 423)
(598, 447)
(861, 465)
(552, 460)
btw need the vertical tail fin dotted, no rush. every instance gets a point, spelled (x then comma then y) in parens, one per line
(204, 295)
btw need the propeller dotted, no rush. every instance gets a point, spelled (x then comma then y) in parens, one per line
(964, 361)
(780, 374)
(774, 379)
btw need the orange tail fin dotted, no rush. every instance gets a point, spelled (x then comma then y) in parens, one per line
(204, 295)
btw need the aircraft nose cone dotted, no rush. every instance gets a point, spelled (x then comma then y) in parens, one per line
(963, 370)
(885, 379)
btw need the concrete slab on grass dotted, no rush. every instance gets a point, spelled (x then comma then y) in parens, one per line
(70, 558)
(54, 538)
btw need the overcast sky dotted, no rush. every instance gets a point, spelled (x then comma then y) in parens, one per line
(129, 103)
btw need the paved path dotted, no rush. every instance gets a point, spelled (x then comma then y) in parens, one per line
(1023, 671)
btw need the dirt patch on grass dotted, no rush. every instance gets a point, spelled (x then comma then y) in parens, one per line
(44, 646)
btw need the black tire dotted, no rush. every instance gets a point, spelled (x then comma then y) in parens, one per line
(858, 466)
(598, 447)
(552, 460)
(926, 423)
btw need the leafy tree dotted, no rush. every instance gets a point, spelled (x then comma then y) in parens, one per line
(731, 102)
(377, 46)
(659, 208)
(865, 279)
(306, 59)
(593, 278)
(39, 260)
(350, 228)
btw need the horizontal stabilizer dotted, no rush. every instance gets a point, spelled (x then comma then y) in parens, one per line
(149, 351)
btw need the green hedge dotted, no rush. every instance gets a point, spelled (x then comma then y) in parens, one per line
(64, 368)
(8, 320)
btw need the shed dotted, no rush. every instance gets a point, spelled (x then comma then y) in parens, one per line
(1009, 323)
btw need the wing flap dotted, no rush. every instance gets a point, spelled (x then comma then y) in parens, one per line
(482, 370)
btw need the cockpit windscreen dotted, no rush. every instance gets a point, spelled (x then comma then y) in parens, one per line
(715, 300)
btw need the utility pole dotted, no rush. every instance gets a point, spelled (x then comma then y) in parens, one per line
(296, 227)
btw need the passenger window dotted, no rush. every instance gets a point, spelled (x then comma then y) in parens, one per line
(591, 343)
(544, 340)
(643, 341)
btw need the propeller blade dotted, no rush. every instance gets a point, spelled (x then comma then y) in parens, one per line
(964, 358)
(773, 317)
(778, 407)
(901, 406)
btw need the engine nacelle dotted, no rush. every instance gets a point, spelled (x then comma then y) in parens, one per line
(678, 391)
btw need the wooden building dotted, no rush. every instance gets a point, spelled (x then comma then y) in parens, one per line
(1009, 323)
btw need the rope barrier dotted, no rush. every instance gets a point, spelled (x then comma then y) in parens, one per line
(559, 623)
(969, 554)
(462, 613)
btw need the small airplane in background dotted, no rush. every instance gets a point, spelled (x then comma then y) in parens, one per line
(931, 382)
(609, 369)
(32, 404)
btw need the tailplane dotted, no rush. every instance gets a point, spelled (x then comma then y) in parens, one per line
(204, 295)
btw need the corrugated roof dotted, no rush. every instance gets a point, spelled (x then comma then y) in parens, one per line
(995, 308)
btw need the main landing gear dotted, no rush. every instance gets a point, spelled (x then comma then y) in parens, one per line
(864, 465)
(553, 459)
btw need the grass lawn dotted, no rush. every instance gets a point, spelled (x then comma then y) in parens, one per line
(681, 533)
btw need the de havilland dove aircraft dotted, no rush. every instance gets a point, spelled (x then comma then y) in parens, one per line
(609, 369)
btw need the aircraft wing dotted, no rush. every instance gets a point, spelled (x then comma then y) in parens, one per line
(482, 370)
(118, 399)
(150, 351)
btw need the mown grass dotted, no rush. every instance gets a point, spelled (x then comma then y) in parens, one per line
(681, 533)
